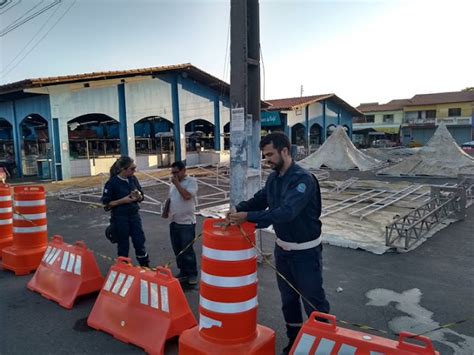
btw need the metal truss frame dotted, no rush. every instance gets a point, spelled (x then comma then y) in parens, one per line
(446, 202)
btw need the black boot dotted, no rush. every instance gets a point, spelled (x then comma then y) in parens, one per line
(286, 350)
(144, 260)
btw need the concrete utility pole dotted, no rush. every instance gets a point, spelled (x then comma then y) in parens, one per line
(244, 100)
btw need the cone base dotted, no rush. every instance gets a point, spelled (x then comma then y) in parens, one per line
(5, 242)
(192, 343)
(22, 261)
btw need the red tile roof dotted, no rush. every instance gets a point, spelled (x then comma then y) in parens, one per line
(296, 102)
(419, 100)
(394, 105)
(442, 98)
(191, 70)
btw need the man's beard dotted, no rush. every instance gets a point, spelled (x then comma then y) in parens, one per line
(278, 165)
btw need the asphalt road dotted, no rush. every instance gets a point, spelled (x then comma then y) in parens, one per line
(418, 291)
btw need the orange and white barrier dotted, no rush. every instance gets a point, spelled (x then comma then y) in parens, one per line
(228, 296)
(30, 230)
(66, 272)
(6, 218)
(141, 307)
(317, 337)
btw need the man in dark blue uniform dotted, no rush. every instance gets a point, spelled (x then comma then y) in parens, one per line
(291, 202)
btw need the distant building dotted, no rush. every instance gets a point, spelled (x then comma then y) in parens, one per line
(415, 120)
(308, 120)
(425, 112)
(379, 121)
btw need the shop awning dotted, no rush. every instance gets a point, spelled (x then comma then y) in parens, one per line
(388, 130)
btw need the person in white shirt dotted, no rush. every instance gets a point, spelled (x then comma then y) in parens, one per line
(182, 205)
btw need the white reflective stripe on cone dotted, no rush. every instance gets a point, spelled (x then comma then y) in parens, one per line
(5, 198)
(72, 258)
(152, 300)
(55, 256)
(228, 307)
(65, 260)
(118, 283)
(6, 210)
(77, 265)
(110, 280)
(6, 221)
(228, 281)
(144, 292)
(29, 203)
(21, 230)
(30, 216)
(46, 253)
(229, 255)
(153, 295)
(325, 346)
(126, 286)
(165, 304)
(345, 350)
(305, 344)
(206, 322)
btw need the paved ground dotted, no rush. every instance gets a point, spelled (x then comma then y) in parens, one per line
(416, 291)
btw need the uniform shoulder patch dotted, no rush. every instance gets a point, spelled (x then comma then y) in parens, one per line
(301, 187)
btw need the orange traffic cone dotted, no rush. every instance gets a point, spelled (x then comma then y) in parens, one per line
(66, 272)
(141, 307)
(228, 296)
(6, 217)
(316, 337)
(30, 230)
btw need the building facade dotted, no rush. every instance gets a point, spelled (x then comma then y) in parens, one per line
(309, 120)
(78, 125)
(414, 121)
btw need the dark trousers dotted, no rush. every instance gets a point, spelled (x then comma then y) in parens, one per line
(181, 236)
(126, 226)
(303, 269)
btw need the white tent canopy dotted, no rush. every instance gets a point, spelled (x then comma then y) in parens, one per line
(440, 157)
(338, 153)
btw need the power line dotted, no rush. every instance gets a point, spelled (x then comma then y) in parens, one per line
(17, 23)
(31, 40)
(11, 7)
(41, 39)
(22, 16)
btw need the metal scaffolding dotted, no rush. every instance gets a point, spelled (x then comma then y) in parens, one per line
(446, 202)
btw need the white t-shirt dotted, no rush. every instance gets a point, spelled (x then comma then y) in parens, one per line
(181, 210)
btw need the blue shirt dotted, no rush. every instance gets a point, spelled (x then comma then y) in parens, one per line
(291, 203)
(117, 188)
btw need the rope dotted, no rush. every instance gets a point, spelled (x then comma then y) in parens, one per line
(265, 259)
(357, 325)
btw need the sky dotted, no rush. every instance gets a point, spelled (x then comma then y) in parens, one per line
(363, 51)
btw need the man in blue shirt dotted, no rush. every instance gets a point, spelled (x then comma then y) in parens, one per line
(291, 202)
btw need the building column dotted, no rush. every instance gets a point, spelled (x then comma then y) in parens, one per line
(217, 124)
(56, 150)
(324, 123)
(63, 147)
(127, 129)
(17, 141)
(306, 125)
(179, 134)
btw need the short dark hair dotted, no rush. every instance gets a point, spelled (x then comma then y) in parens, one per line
(178, 164)
(279, 139)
